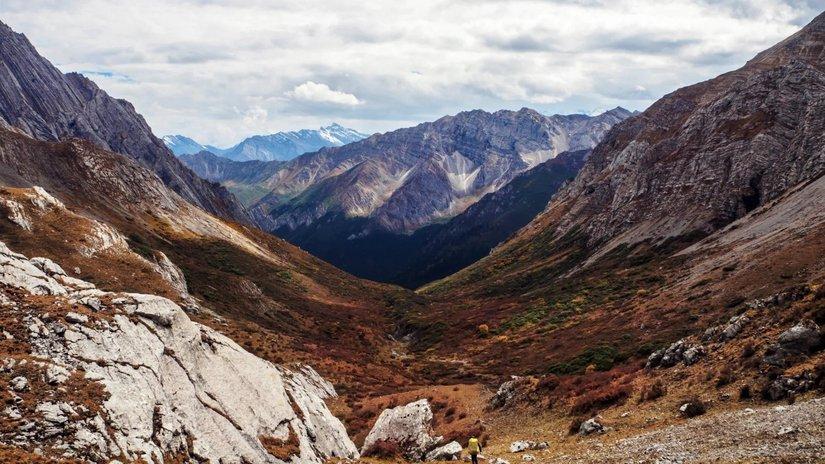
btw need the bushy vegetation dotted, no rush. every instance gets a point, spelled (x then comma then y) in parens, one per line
(603, 357)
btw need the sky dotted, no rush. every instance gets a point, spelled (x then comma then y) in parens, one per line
(221, 70)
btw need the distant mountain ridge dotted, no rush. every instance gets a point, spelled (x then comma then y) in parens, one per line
(281, 146)
(406, 179)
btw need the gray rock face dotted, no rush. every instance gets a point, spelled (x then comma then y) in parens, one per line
(175, 387)
(40, 101)
(408, 178)
(679, 351)
(409, 427)
(705, 155)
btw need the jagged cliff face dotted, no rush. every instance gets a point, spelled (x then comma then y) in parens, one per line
(707, 154)
(42, 102)
(158, 387)
(411, 177)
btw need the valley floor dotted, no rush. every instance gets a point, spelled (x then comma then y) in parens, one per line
(759, 434)
(771, 434)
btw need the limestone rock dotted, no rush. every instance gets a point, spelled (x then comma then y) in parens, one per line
(409, 427)
(449, 452)
(175, 387)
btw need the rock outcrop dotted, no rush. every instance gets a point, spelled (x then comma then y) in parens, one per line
(40, 101)
(407, 428)
(171, 388)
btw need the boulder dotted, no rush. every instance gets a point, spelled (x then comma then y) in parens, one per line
(692, 408)
(408, 427)
(692, 355)
(680, 351)
(505, 393)
(735, 325)
(449, 452)
(804, 337)
(591, 426)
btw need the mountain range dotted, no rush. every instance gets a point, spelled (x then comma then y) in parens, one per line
(281, 146)
(371, 207)
(635, 287)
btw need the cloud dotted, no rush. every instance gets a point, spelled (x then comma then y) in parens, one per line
(220, 70)
(321, 93)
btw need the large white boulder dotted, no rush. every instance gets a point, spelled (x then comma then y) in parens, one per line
(408, 427)
(175, 387)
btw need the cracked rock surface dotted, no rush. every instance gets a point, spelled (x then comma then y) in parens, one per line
(175, 388)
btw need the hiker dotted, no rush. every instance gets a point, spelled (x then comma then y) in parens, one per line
(474, 447)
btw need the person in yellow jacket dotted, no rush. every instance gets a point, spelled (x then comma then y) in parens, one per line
(474, 447)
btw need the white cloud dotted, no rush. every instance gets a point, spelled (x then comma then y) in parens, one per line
(255, 116)
(321, 93)
(191, 63)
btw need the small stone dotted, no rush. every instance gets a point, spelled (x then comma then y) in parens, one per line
(787, 431)
(692, 408)
(76, 318)
(590, 426)
(56, 374)
(528, 458)
(19, 384)
(520, 446)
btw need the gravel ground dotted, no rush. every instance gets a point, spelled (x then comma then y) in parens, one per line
(778, 434)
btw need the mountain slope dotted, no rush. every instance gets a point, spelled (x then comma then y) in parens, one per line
(603, 261)
(121, 228)
(412, 177)
(40, 101)
(284, 146)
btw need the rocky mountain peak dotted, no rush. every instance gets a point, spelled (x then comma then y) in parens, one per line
(39, 100)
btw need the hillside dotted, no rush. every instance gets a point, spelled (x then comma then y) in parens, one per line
(608, 260)
(279, 302)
